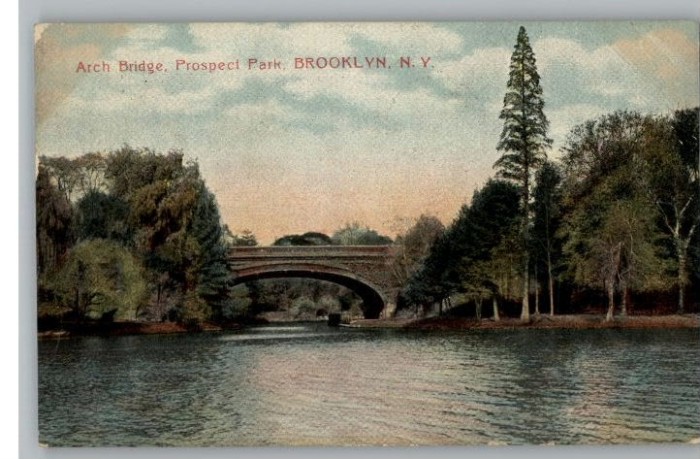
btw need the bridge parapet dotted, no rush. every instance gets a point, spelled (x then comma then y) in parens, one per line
(311, 251)
(367, 269)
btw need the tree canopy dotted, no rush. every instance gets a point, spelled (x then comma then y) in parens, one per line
(357, 234)
(134, 231)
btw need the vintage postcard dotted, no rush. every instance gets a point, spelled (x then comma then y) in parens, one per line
(359, 234)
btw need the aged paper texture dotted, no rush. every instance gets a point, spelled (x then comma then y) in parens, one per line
(368, 233)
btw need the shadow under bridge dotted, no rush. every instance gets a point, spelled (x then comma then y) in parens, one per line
(362, 269)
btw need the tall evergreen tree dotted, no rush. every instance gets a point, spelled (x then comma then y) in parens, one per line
(214, 280)
(524, 139)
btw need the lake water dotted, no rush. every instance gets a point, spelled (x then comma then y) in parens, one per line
(308, 384)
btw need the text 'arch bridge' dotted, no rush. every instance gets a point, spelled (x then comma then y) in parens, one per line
(366, 270)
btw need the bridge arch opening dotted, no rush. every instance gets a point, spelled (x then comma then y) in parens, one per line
(373, 301)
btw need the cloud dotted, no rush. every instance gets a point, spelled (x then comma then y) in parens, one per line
(671, 58)
(655, 72)
(57, 50)
(289, 151)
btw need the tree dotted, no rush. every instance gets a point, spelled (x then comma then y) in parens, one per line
(356, 234)
(176, 230)
(92, 169)
(612, 236)
(132, 201)
(487, 243)
(618, 254)
(429, 284)
(309, 238)
(102, 216)
(501, 270)
(458, 260)
(54, 222)
(129, 169)
(414, 246)
(65, 172)
(101, 278)
(245, 239)
(523, 140)
(214, 276)
(547, 220)
(671, 169)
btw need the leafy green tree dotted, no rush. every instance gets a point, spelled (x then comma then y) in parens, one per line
(458, 259)
(547, 221)
(65, 172)
(414, 246)
(500, 271)
(101, 278)
(161, 213)
(176, 229)
(91, 167)
(309, 238)
(435, 280)
(619, 254)
(54, 219)
(194, 310)
(524, 140)
(245, 239)
(102, 216)
(79, 176)
(129, 169)
(612, 240)
(357, 234)
(492, 222)
(687, 139)
(670, 167)
(132, 200)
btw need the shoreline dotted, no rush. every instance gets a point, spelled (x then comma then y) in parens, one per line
(133, 329)
(569, 321)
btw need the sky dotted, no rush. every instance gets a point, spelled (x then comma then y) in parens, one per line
(288, 150)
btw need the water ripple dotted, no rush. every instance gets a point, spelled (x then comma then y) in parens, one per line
(311, 385)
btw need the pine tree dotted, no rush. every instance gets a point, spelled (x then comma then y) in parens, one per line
(524, 139)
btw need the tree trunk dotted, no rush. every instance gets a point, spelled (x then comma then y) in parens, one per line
(550, 281)
(496, 316)
(623, 301)
(478, 309)
(537, 293)
(611, 300)
(682, 277)
(525, 313)
(76, 301)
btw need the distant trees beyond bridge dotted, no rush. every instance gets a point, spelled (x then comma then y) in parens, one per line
(364, 269)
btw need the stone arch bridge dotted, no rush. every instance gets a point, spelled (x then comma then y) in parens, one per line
(366, 270)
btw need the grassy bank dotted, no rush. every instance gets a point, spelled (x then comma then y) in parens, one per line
(577, 321)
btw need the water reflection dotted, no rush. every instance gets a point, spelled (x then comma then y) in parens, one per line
(308, 384)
